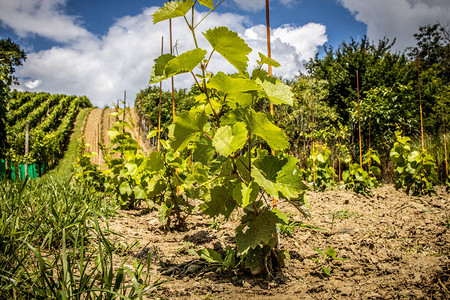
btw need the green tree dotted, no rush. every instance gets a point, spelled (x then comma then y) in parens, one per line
(382, 73)
(433, 47)
(11, 56)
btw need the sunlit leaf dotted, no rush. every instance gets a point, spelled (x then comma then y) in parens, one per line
(158, 68)
(278, 92)
(184, 62)
(172, 10)
(229, 139)
(279, 175)
(186, 127)
(207, 3)
(262, 127)
(268, 61)
(244, 195)
(233, 48)
(210, 255)
(228, 84)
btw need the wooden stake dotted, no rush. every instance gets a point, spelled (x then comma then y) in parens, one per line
(173, 88)
(27, 134)
(370, 150)
(313, 140)
(339, 164)
(420, 103)
(139, 125)
(359, 120)
(445, 144)
(269, 55)
(98, 143)
(160, 96)
(173, 85)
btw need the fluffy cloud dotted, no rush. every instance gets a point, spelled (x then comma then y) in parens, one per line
(42, 17)
(33, 84)
(103, 67)
(398, 18)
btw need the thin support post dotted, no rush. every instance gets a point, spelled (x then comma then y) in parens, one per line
(27, 134)
(359, 120)
(420, 102)
(445, 145)
(160, 96)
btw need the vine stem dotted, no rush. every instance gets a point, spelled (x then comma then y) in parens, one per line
(202, 66)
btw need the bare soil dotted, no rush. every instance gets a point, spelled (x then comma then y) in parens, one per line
(396, 246)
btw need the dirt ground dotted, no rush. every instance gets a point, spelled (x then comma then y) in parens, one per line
(397, 247)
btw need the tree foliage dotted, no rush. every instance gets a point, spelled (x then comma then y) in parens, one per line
(11, 56)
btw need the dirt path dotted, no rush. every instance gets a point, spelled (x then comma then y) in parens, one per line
(396, 246)
(100, 121)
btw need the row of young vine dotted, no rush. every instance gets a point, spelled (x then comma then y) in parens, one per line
(226, 151)
(50, 118)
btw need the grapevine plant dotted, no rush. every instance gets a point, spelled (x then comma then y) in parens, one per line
(130, 177)
(319, 171)
(415, 171)
(221, 133)
(362, 180)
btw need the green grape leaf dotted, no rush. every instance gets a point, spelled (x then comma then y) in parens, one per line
(203, 151)
(279, 175)
(268, 61)
(262, 127)
(155, 162)
(125, 189)
(158, 68)
(227, 84)
(243, 99)
(233, 48)
(278, 92)
(220, 203)
(139, 192)
(172, 10)
(184, 62)
(229, 139)
(244, 195)
(186, 127)
(258, 231)
(210, 255)
(232, 117)
(208, 3)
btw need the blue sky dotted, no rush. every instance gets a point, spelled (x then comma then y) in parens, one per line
(99, 48)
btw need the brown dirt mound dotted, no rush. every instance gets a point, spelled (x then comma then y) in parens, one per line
(397, 247)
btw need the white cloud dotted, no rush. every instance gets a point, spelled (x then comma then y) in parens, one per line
(33, 84)
(41, 17)
(398, 18)
(103, 67)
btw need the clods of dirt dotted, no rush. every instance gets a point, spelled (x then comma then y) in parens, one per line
(393, 246)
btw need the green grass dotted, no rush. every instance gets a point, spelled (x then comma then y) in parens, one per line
(64, 168)
(52, 246)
